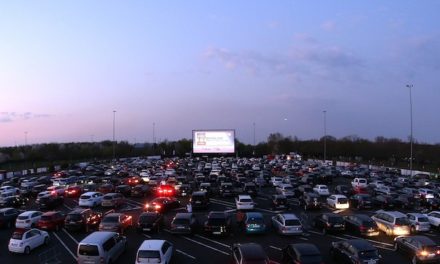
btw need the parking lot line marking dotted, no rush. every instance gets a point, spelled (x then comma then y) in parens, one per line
(64, 245)
(224, 202)
(314, 232)
(262, 198)
(67, 207)
(371, 240)
(147, 236)
(71, 237)
(135, 202)
(213, 241)
(185, 254)
(303, 238)
(277, 248)
(200, 243)
(230, 211)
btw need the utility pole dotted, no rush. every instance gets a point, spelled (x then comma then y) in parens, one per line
(114, 142)
(410, 86)
(325, 135)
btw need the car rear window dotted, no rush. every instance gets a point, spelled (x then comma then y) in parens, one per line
(22, 217)
(88, 250)
(342, 200)
(245, 200)
(107, 198)
(149, 254)
(258, 221)
(293, 222)
(423, 219)
(73, 217)
(216, 221)
(85, 197)
(336, 220)
(17, 235)
(181, 221)
(146, 218)
(402, 221)
(110, 219)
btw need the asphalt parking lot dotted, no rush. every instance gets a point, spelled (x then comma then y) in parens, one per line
(199, 248)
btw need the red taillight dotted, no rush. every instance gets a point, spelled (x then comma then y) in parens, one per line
(438, 252)
(362, 227)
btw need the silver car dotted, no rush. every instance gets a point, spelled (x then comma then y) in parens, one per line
(287, 224)
(419, 222)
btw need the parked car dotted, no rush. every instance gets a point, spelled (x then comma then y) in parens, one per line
(244, 202)
(49, 202)
(434, 218)
(112, 200)
(285, 189)
(184, 223)
(419, 222)
(343, 189)
(8, 216)
(57, 190)
(384, 201)
(73, 191)
(420, 249)
(361, 224)
(106, 188)
(254, 223)
(287, 224)
(116, 222)
(218, 223)
(82, 219)
(149, 222)
(28, 219)
(23, 240)
(405, 201)
(310, 201)
(431, 204)
(52, 220)
(279, 201)
(329, 222)
(355, 251)
(90, 199)
(101, 247)
(155, 251)
(162, 204)
(249, 253)
(199, 200)
(361, 201)
(140, 190)
(304, 253)
(359, 182)
(16, 201)
(393, 223)
(321, 189)
(338, 201)
(125, 190)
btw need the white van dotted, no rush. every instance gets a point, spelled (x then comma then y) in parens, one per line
(155, 251)
(101, 247)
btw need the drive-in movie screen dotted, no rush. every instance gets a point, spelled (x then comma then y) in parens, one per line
(213, 141)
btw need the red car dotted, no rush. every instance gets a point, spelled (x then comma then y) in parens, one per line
(132, 181)
(73, 191)
(52, 220)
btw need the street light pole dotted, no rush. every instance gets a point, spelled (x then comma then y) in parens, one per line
(410, 86)
(253, 124)
(114, 119)
(325, 135)
(154, 133)
(25, 138)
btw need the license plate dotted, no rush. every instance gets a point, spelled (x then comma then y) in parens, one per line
(146, 229)
(180, 227)
(198, 202)
(337, 225)
(216, 233)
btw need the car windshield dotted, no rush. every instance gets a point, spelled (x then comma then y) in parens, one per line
(149, 254)
(181, 221)
(110, 219)
(402, 221)
(312, 259)
(293, 222)
(368, 254)
(73, 217)
(17, 235)
(88, 250)
(423, 219)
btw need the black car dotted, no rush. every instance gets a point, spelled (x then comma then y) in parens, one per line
(249, 188)
(354, 251)
(123, 189)
(140, 190)
(14, 201)
(384, 201)
(329, 222)
(199, 200)
(184, 190)
(304, 253)
(310, 201)
(226, 189)
(361, 225)
(405, 201)
(37, 189)
(150, 221)
(184, 223)
(249, 253)
(420, 249)
(218, 223)
(82, 219)
(49, 202)
(162, 204)
(8, 216)
(301, 190)
(279, 202)
(361, 201)
(343, 189)
(431, 204)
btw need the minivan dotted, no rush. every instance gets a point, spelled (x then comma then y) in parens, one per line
(392, 223)
(101, 247)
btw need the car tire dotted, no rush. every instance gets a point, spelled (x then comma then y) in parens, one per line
(414, 260)
(27, 250)
(396, 247)
(413, 230)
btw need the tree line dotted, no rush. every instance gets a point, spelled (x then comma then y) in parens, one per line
(380, 151)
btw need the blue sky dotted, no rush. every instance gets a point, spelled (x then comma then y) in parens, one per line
(66, 65)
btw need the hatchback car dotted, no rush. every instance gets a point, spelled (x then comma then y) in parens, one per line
(53, 220)
(254, 223)
(28, 219)
(23, 241)
(249, 253)
(338, 201)
(112, 200)
(8, 216)
(162, 204)
(218, 223)
(116, 222)
(279, 201)
(361, 201)
(90, 199)
(184, 223)
(329, 222)
(150, 222)
(287, 224)
(420, 249)
(419, 222)
(82, 219)
(310, 201)
(355, 251)
(155, 251)
(361, 224)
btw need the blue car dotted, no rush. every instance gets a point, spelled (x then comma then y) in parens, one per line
(254, 223)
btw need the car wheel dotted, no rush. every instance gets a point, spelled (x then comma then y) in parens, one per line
(46, 240)
(414, 260)
(413, 230)
(27, 250)
(396, 247)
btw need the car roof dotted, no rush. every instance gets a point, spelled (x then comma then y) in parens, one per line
(27, 213)
(361, 244)
(424, 240)
(89, 193)
(113, 214)
(152, 244)
(244, 197)
(183, 215)
(417, 214)
(290, 216)
(363, 217)
(97, 237)
(305, 248)
(50, 213)
(252, 251)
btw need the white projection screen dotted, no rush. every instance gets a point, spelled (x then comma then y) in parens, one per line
(214, 141)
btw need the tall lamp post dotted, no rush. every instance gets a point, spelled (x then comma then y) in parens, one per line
(253, 124)
(410, 86)
(114, 119)
(325, 134)
(25, 138)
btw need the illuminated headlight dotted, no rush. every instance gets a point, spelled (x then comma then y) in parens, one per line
(145, 179)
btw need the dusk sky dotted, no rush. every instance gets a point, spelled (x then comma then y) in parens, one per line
(66, 65)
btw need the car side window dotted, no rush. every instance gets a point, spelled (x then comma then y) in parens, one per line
(165, 247)
(29, 235)
(109, 244)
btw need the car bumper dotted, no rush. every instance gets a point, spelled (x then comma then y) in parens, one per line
(23, 225)
(16, 249)
(342, 206)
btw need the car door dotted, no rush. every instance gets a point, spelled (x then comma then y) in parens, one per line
(118, 249)
(38, 237)
(30, 240)
(167, 251)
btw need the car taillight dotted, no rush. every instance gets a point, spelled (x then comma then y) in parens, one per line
(362, 227)
(437, 252)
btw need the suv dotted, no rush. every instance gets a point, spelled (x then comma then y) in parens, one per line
(419, 222)
(199, 200)
(249, 252)
(82, 219)
(419, 248)
(154, 251)
(116, 222)
(310, 201)
(218, 223)
(279, 201)
(392, 222)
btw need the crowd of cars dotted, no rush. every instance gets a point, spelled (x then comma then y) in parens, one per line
(108, 186)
